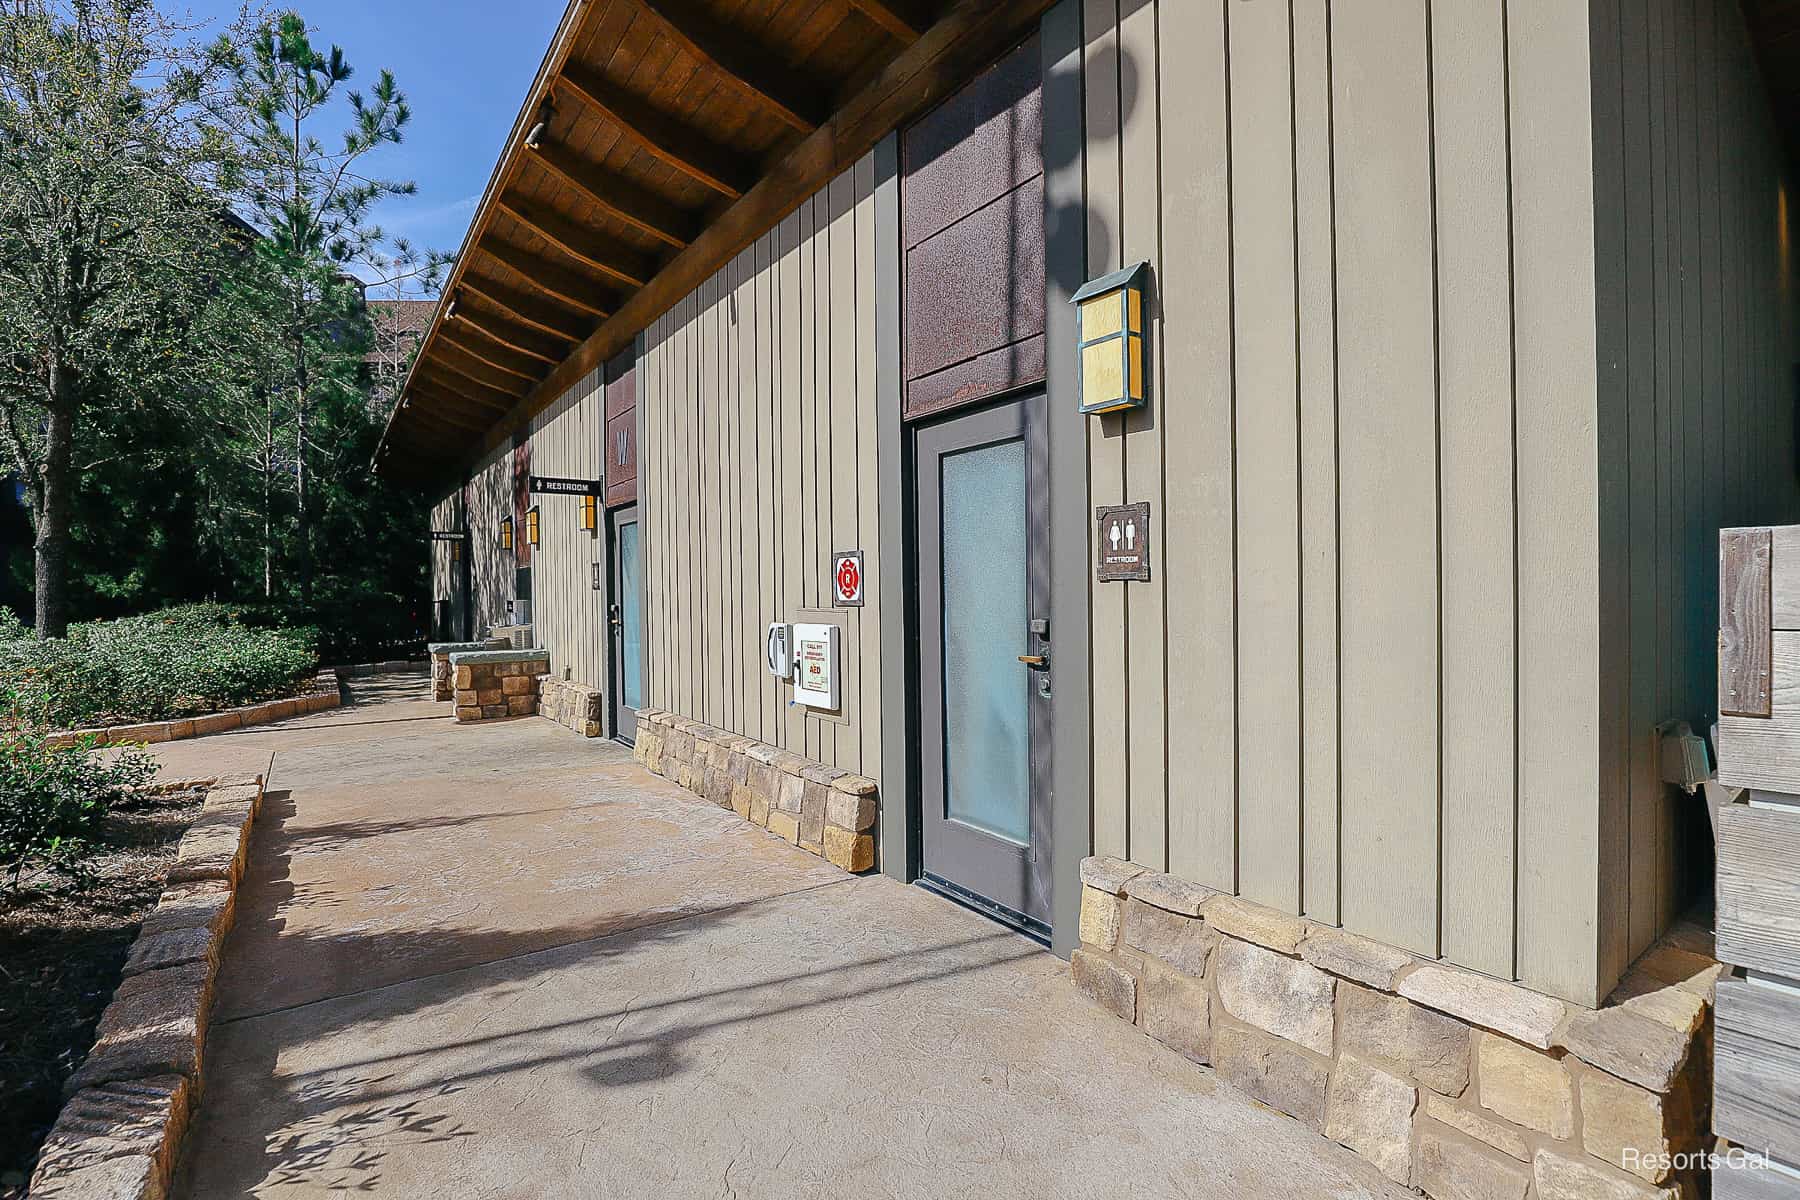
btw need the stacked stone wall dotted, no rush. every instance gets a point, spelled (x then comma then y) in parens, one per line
(495, 684)
(823, 810)
(1454, 1083)
(572, 705)
(443, 677)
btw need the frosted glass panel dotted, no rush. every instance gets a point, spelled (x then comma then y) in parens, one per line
(631, 570)
(986, 738)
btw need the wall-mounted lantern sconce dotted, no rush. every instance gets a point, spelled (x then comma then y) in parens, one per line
(1110, 316)
(590, 513)
(506, 533)
(531, 525)
(456, 551)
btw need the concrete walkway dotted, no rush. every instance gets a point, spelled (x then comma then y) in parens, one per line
(506, 962)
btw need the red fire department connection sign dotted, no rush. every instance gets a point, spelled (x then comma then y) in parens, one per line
(847, 579)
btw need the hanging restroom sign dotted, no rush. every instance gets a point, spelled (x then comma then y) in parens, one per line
(550, 485)
(1124, 543)
(847, 579)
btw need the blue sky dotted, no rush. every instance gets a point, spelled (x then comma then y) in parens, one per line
(464, 66)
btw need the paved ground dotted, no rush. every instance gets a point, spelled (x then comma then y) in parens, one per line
(505, 962)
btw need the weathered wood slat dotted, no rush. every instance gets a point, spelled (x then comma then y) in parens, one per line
(1756, 1067)
(471, 327)
(895, 18)
(1758, 752)
(525, 309)
(644, 212)
(582, 245)
(1784, 570)
(750, 69)
(1752, 1183)
(1759, 889)
(1744, 606)
(576, 291)
(658, 135)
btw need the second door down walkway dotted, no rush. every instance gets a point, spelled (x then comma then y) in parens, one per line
(506, 962)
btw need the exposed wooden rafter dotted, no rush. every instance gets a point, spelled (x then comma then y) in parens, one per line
(456, 422)
(582, 245)
(494, 339)
(624, 201)
(468, 389)
(527, 309)
(435, 395)
(565, 287)
(895, 17)
(660, 136)
(477, 367)
(752, 70)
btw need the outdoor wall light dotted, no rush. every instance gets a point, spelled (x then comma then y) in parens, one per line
(455, 300)
(1110, 318)
(506, 533)
(590, 513)
(546, 111)
(456, 551)
(531, 525)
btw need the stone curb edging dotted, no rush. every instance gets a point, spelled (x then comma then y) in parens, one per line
(823, 810)
(1450, 1082)
(323, 694)
(120, 1130)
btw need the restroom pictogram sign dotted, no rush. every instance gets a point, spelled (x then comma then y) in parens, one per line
(847, 579)
(1124, 543)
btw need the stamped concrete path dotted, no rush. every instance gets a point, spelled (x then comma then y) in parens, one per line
(504, 961)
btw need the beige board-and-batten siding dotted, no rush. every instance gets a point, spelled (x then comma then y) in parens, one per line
(446, 572)
(1697, 346)
(568, 616)
(758, 461)
(1362, 685)
(490, 500)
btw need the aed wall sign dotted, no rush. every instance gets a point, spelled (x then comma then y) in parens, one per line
(1124, 543)
(847, 579)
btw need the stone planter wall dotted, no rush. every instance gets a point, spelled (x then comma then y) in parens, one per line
(120, 1131)
(324, 693)
(572, 705)
(1454, 1083)
(443, 680)
(493, 684)
(823, 810)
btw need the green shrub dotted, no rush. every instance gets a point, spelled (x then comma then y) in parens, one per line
(180, 662)
(53, 801)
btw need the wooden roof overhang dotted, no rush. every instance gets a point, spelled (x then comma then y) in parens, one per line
(677, 132)
(1775, 28)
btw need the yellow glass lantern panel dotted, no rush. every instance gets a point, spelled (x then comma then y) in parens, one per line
(1102, 372)
(531, 526)
(1102, 316)
(590, 514)
(506, 533)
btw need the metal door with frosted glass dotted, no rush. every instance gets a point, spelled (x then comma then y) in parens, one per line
(984, 657)
(625, 619)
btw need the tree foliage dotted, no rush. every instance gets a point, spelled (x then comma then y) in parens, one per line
(184, 401)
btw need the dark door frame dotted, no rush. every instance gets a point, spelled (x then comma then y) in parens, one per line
(622, 722)
(1065, 217)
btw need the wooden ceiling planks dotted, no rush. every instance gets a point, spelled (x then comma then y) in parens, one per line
(1775, 28)
(681, 130)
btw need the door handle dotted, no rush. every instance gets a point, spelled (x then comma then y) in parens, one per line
(1035, 660)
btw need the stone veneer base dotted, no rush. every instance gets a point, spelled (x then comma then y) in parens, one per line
(1454, 1083)
(492, 685)
(572, 705)
(823, 810)
(443, 679)
(119, 1133)
(325, 692)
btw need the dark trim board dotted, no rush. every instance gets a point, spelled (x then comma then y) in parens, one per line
(1065, 263)
(898, 851)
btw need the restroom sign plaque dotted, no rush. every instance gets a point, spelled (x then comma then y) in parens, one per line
(1124, 544)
